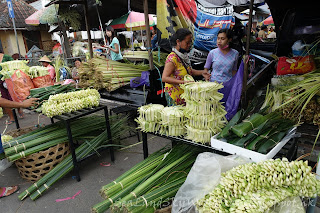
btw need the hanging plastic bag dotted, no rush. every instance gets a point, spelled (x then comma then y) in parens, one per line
(140, 81)
(203, 177)
(232, 93)
(42, 81)
(19, 86)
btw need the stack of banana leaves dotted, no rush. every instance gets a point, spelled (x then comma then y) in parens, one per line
(159, 59)
(100, 73)
(259, 132)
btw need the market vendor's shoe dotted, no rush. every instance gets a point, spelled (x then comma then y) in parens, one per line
(6, 191)
(21, 115)
(9, 122)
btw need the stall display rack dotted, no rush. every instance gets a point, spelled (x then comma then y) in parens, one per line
(288, 151)
(175, 139)
(67, 118)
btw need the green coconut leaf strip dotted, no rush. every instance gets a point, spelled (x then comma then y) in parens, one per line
(105, 205)
(137, 167)
(147, 184)
(126, 181)
(168, 190)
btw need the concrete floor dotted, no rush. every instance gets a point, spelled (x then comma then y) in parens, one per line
(93, 177)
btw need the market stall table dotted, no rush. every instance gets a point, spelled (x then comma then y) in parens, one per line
(175, 139)
(289, 150)
(67, 118)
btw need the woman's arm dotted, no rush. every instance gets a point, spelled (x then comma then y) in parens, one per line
(168, 70)
(115, 49)
(12, 104)
(205, 73)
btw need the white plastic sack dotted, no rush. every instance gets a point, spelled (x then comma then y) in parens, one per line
(203, 177)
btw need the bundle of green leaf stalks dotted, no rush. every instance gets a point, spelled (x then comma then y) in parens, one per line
(101, 73)
(51, 135)
(297, 97)
(257, 132)
(118, 128)
(158, 59)
(149, 183)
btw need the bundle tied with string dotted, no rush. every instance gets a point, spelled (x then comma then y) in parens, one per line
(149, 183)
(248, 124)
(110, 75)
(205, 113)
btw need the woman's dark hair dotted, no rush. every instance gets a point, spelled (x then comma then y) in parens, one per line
(228, 32)
(114, 34)
(180, 34)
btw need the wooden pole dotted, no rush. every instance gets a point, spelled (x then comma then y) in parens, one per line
(245, 73)
(66, 43)
(146, 17)
(85, 6)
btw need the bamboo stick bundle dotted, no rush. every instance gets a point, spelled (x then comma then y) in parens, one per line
(64, 167)
(46, 137)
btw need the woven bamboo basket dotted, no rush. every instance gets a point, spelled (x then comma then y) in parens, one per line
(36, 165)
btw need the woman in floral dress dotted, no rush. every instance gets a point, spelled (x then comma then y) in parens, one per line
(177, 66)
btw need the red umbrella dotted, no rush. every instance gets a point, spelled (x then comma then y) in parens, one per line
(268, 21)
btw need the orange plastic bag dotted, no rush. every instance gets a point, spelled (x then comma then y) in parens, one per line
(42, 81)
(19, 86)
(295, 65)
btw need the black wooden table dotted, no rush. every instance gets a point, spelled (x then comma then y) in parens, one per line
(289, 150)
(175, 139)
(69, 117)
